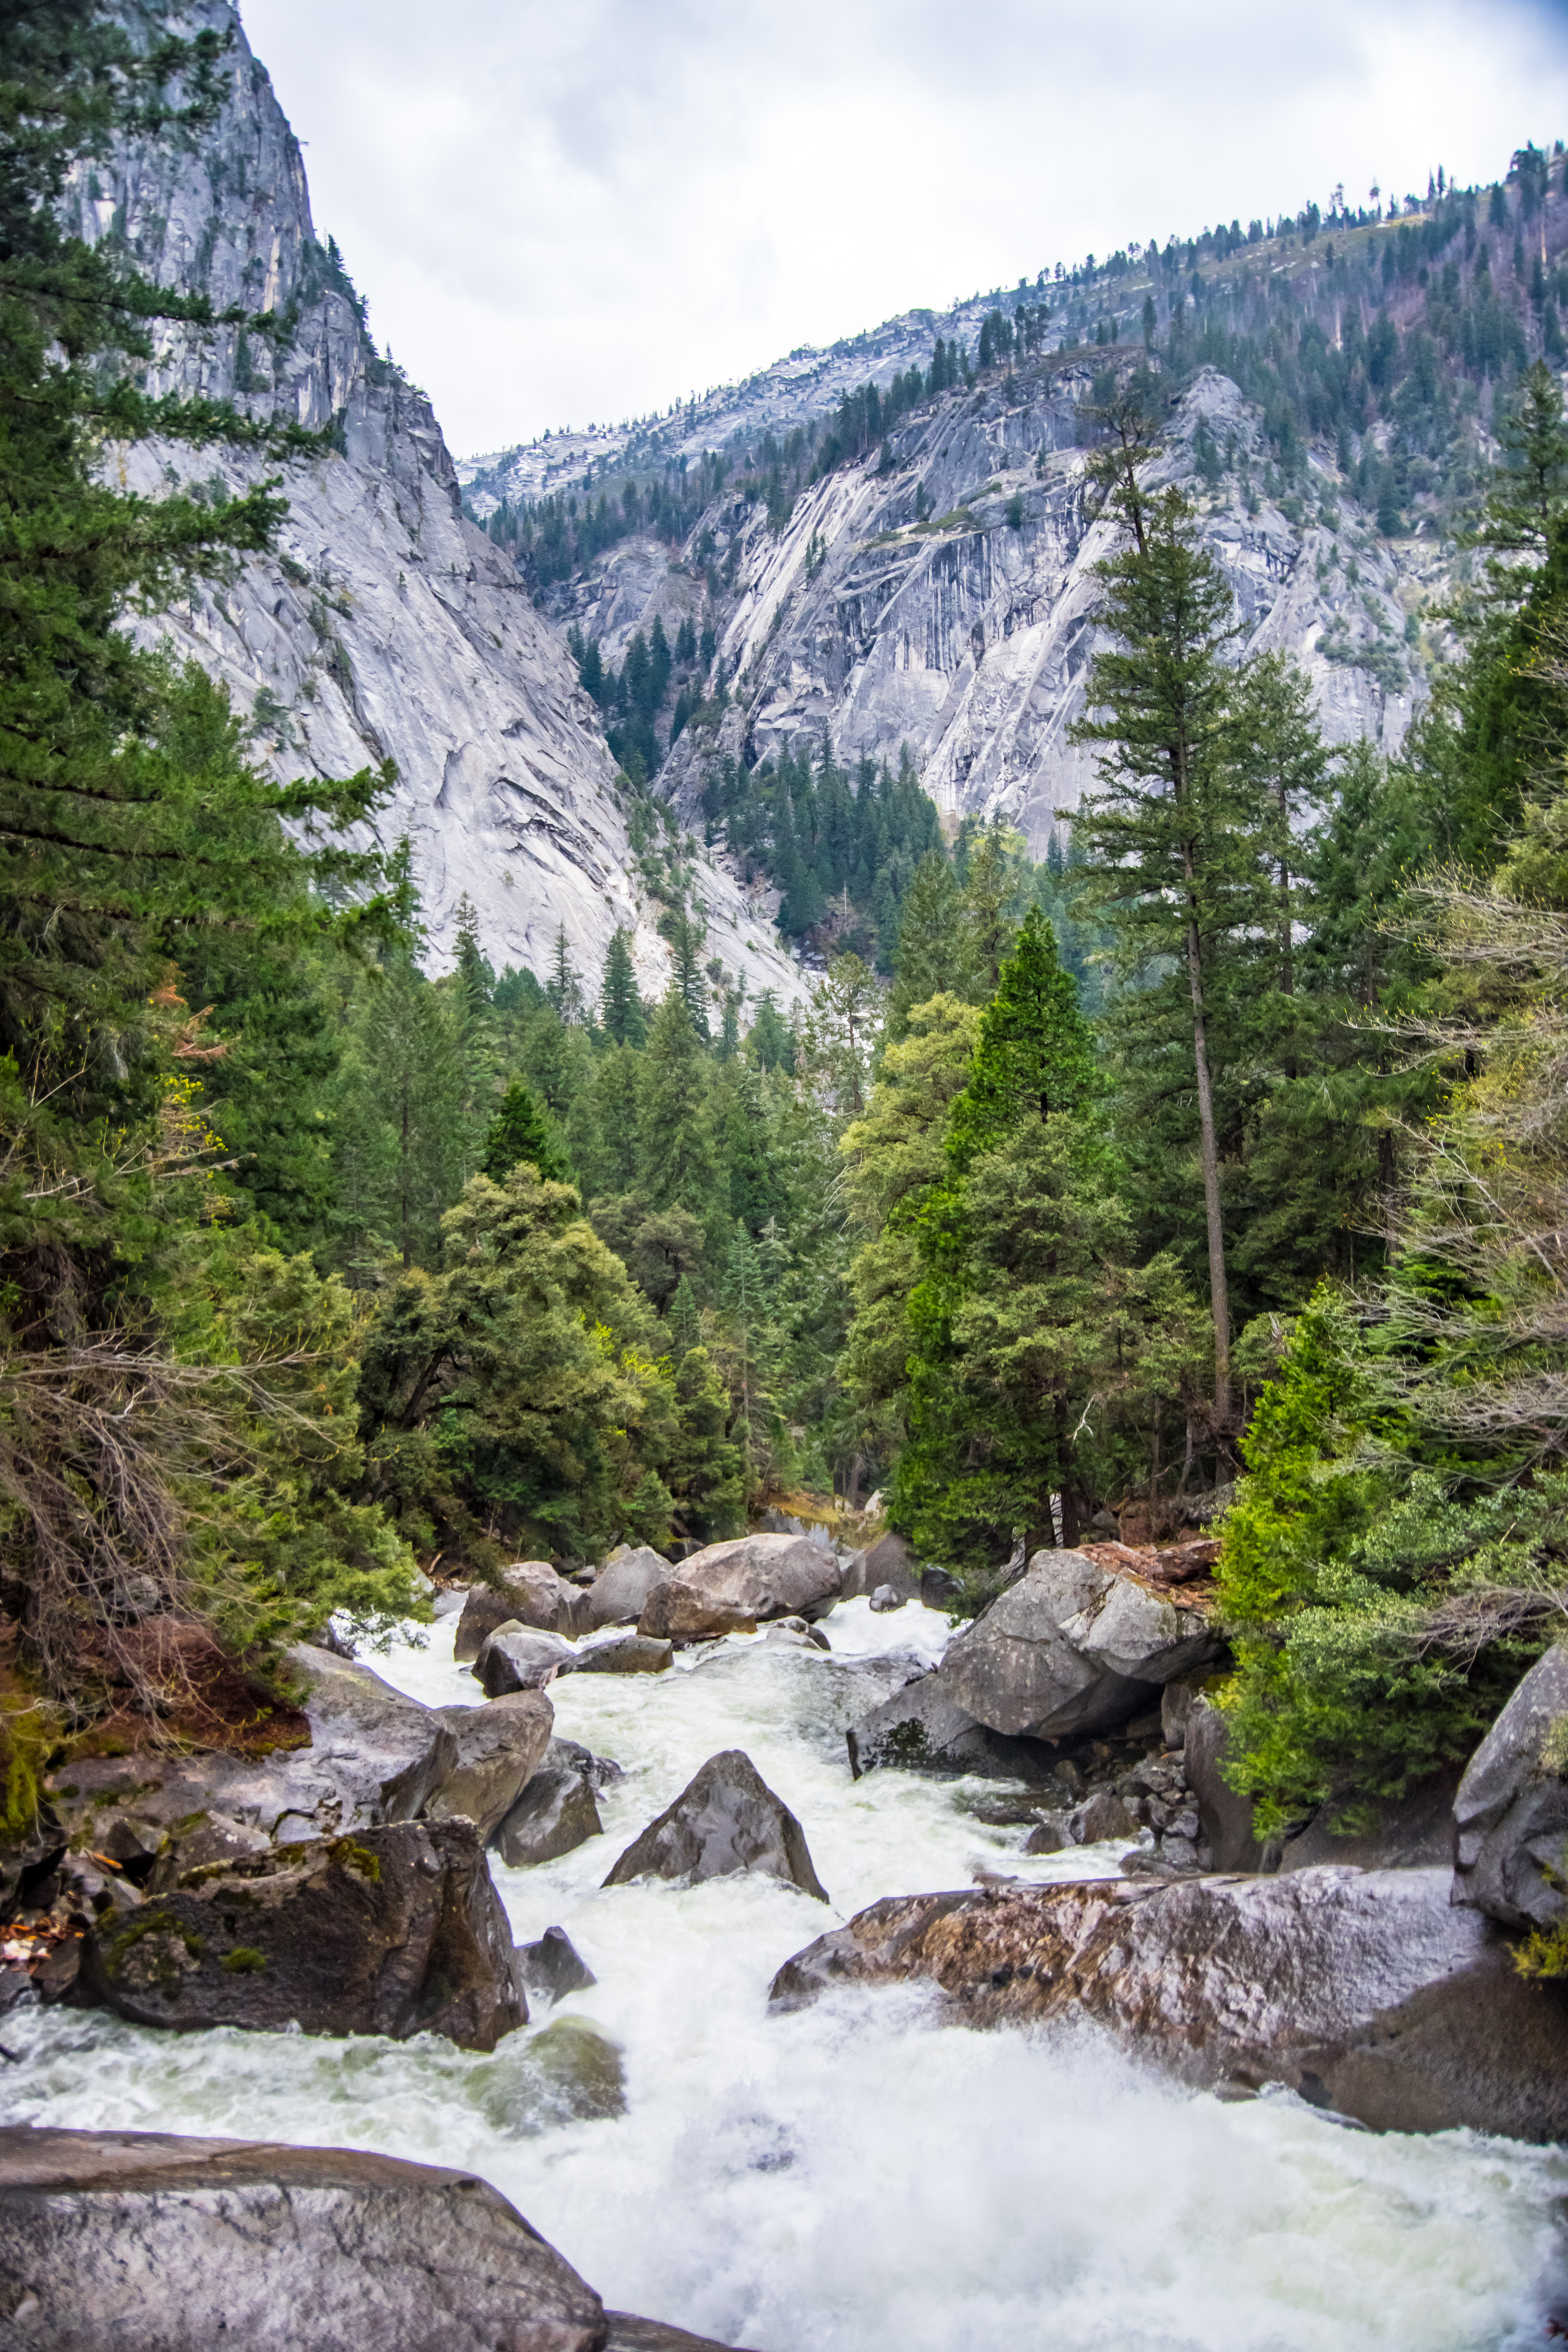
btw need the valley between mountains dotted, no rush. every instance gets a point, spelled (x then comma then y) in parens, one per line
(783, 1309)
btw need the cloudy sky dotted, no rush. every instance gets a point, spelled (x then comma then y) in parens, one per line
(572, 210)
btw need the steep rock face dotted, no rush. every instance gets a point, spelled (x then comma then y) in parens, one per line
(966, 634)
(386, 626)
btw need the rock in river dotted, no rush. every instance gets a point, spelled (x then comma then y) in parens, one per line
(384, 1751)
(543, 1599)
(889, 1562)
(1072, 1648)
(620, 1591)
(395, 1931)
(530, 1593)
(554, 1814)
(726, 1820)
(1510, 1815)
(676, 1612)
(634, 1653)
(766, 1576)
(146, 2241)
(1225, 1818)
(513, 1659)
(923, 1728)
(375, 1757)
(499, 1748)
(1365, 1990)
(552, 1966)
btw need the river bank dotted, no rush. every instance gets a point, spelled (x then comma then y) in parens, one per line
(859, 2175)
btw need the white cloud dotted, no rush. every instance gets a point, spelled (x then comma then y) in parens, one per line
(562, 210)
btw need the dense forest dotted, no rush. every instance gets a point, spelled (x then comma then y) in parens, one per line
(1224, 1155)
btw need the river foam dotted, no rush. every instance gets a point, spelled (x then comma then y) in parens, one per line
(858, 2177)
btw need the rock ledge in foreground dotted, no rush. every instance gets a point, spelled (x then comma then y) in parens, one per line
(146, 2241)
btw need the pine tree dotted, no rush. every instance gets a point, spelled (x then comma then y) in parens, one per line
(841, 1032)
(1034, 1057)
(991, 896)
(685, 937)
(407, 1105)
(1276, 743)
(475, 973)
(678, 1168)
(564, 987)
(520, 1134)
(934, 952)
(1174, 865)
(1489, 742)
(705, 1468)
(769, 1043)
(534, 1329)
(684, 1318)
(622, 1013)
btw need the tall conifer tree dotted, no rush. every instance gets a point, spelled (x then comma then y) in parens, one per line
(1176, 859)
(622, 1013)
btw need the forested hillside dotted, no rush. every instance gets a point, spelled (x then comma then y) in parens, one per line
(1225, 1143)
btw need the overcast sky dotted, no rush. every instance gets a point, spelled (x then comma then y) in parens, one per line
(565, 211)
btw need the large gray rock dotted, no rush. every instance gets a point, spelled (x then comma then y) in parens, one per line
(374, 1756)
(544, 1601)
(484, 1612)
(889, 1560)
(1225, 1818)
(766, 1576)
(513, 1659)
(499, 1748)
(1414, 1832)
(633, 1653)
(530, 1595)
(1366, 1991)
(385, 1752)
(726, 1820)
(1072, 1648)
(553, 1815)
(923, 1729)
(394, 1931)
(620, 1591)
(1510, 1815)
(145, 2242)
(676, 1612)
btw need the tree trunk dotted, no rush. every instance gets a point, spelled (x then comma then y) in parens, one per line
(1287, 952)
(408, 1211)
(1219, 1301)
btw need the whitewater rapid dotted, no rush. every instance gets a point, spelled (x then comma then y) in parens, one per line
(856, 2177)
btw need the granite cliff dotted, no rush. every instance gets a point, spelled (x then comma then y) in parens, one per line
(945, 600)
(385, 626)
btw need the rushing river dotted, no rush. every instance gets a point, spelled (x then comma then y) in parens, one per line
(856, 2177)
